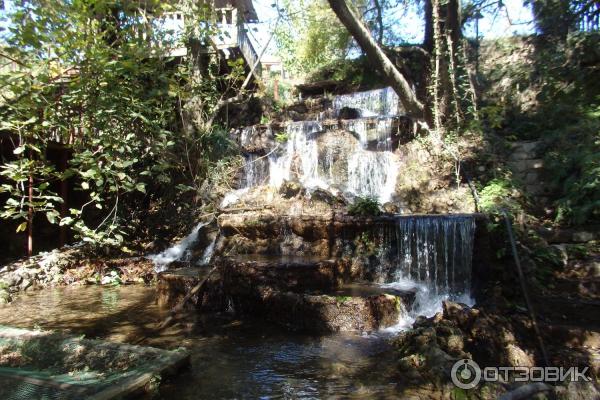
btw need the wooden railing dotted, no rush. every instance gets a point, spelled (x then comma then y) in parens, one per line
(230, 36)
(248, 51)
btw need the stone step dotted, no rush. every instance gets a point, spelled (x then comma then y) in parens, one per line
(287, 273)
(322, 313)
(368, 289)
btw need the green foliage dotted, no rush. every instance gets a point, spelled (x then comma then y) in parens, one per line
(548, 255)
(497, 195)
(95, 76)
(282, 137)
(286, 90)
(342, 299)
(357, 72)
(366, 245)
(557, 18)
(365, 207)
(311, 36)
(572, 157)
(578, 251)
(565, 115)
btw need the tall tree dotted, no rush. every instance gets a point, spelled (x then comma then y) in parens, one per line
(307, 37)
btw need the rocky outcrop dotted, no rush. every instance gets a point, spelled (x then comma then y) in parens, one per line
(38, 271)
(324, 313)
(172, 287)
(308, 294)
(69, 266)
(296, 274)
(332, 235)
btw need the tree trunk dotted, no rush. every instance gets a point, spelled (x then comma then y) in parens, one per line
(396, 80)
(379, 9)
(428, 34)
(442, 38)
(30, 215)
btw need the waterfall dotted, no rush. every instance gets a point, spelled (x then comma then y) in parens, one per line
(369, 173)
(300, 156)
(436, 251)
(208, 253)
(256, 170)
(378, 102)
(246, 135)
(372, 130)
(432, 254)
(372, 174)
(178, 252)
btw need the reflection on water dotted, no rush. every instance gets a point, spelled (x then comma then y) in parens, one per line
(117, 313)
(230, 358)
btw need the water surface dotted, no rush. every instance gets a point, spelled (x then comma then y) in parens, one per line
(231, 359)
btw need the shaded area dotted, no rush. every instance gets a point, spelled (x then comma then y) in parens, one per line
(230, 358)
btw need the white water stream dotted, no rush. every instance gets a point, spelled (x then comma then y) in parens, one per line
(178, 252)
(431, 255)
(367, 169)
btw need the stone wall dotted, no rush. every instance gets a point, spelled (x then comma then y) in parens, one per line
(525, 161)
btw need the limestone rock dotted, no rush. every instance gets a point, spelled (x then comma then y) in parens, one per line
(517, 357)
(290, 189)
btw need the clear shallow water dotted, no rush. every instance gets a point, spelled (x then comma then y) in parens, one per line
(231, 359)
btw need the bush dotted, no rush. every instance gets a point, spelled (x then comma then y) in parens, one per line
(365, 207)
(499, 194)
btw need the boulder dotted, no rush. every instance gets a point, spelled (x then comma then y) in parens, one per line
(324, 313)
(290, 189)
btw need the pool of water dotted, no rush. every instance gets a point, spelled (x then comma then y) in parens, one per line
(231, 359)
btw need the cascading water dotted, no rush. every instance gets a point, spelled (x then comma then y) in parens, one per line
(370, 168)
(208, 253)
(436, 251)
(372, 174)
(300, 156)
(256, 170)
(433, 255)
(178, 252)
(372, 130)
(378, 102)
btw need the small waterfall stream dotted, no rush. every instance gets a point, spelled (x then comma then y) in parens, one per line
(435, 250)
(431, 254)
(180, 251)
(366, 165)
(378, 102)
(300, 156)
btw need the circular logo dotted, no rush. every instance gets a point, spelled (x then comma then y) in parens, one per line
(465, 374)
